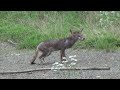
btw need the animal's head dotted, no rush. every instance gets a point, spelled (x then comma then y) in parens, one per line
(77, 35)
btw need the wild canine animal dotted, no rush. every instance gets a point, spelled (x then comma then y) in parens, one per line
(44, 49)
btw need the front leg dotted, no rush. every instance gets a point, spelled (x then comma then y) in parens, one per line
(62, 55)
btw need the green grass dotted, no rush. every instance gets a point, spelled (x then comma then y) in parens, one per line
(105, 41)
(29, 28)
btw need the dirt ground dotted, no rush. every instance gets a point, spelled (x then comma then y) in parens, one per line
(14, 64)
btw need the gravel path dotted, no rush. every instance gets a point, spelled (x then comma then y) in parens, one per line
(12, 60)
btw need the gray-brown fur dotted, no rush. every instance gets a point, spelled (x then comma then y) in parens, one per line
(47, 47)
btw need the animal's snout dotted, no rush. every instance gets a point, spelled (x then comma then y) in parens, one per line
(81, 38)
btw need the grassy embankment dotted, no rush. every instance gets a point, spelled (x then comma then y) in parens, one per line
(29, 28)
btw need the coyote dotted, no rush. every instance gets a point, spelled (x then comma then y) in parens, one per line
(44, 49)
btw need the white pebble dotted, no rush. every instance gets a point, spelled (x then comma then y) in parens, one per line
(60, 65)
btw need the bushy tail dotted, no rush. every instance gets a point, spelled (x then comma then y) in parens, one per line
(34, 57)
(36, 54)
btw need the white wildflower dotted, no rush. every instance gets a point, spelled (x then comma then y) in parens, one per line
(72, 59)
(17, 54)
(56, 66)
(55, 63)
(72, 63)
(101, 20)
(52, 67)
(64, 58)
(60, 65)
(64, 61)
(72, 56)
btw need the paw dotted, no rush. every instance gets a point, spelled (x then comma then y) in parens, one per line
(64, 58)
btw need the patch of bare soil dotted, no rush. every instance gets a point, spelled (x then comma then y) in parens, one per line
(15, 64)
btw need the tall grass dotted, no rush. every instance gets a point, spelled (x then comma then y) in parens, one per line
(29, 28)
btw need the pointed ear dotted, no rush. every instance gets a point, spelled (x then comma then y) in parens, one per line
(70, 31)
(81, 30)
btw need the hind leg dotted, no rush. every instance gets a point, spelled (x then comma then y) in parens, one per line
(41, 58)
(37, 53)
(62, 55)
(34, 57)
(44, 54)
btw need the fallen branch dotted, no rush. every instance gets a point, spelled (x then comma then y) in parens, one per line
(44, 69)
